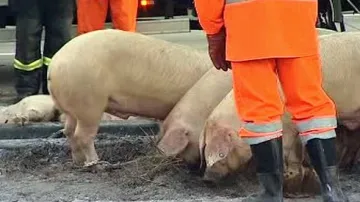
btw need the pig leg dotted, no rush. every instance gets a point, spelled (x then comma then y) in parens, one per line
(69, 128)
(69, 131)
(82, 142)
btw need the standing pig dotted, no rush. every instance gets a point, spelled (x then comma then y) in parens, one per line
(340, 57)
(122, 73)
(184, 123)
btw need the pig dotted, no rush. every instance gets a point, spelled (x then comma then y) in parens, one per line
(182, 126)
(340, 57)
(225, 153)
(337, 50)
(220, 147)
(122, 73)
(35, 108)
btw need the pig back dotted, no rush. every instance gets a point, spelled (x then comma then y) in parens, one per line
(226, 112)
(199, 101)
(118, 60)
(340, 58)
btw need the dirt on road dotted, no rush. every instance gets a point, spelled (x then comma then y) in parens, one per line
(40, 170)
(43, 172)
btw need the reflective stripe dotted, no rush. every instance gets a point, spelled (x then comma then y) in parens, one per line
(234, 1)
(323, 135)
(316, 123)
(263, 128)
(28, 67)
(258, 140)
(47, 61)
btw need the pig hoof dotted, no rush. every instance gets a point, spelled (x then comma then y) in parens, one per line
(95, 166)
(20, 120)
(57, 134)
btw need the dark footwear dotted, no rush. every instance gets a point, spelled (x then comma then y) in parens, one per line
(44, 88)
(27, 83)
(269, 167)
(322, 154)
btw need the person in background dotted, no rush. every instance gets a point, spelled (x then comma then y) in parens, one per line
(262, 48)
(91, 14)
(30, 64)
(329, 13)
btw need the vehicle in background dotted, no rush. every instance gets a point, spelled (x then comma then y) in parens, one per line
(147, 9)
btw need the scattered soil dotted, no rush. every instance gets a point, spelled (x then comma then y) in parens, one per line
(44, 172)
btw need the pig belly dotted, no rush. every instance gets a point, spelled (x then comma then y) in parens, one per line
(126, 107)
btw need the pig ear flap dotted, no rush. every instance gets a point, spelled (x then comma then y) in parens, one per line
(202, 144)
(174, 143)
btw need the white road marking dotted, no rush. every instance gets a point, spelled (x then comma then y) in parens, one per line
(7, 54)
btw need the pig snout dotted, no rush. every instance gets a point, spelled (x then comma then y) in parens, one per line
(225, 153)
(215, 174)
(217, 152)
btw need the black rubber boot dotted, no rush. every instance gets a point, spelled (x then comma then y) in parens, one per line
(27, 83)
(322, 154)
(44, 88)
(269, 167)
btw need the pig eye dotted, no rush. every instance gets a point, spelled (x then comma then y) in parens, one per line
(221, 155)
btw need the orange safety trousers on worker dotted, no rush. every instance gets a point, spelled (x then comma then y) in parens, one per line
(91, 14)
(269, 41)
(259, 103)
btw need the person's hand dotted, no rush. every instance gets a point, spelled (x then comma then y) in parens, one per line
(216, 43)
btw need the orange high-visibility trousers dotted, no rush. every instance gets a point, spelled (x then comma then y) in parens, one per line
(91, 14)
(260, 106)
(266, 40)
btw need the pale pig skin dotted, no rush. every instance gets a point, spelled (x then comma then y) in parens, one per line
(225, 153)
(35, 108)
(121, 73)
(338, 50)
(182, 127)
(220, 147)
(341, 72)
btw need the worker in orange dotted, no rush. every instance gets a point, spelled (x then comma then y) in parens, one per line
(263, 41)
(91, 14)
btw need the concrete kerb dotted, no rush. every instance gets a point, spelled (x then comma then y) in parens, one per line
(45, 130)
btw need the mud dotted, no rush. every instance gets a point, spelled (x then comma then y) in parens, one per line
(44, 173)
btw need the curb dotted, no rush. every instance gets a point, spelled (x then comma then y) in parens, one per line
(29, 144)
(46, 130)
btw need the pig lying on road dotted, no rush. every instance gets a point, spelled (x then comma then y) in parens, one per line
(122, 73)
(36, 108)
(184, 123)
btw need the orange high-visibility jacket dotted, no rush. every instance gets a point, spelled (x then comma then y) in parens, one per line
(259, 29)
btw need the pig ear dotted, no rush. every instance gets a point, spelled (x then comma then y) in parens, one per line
(174, 142)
